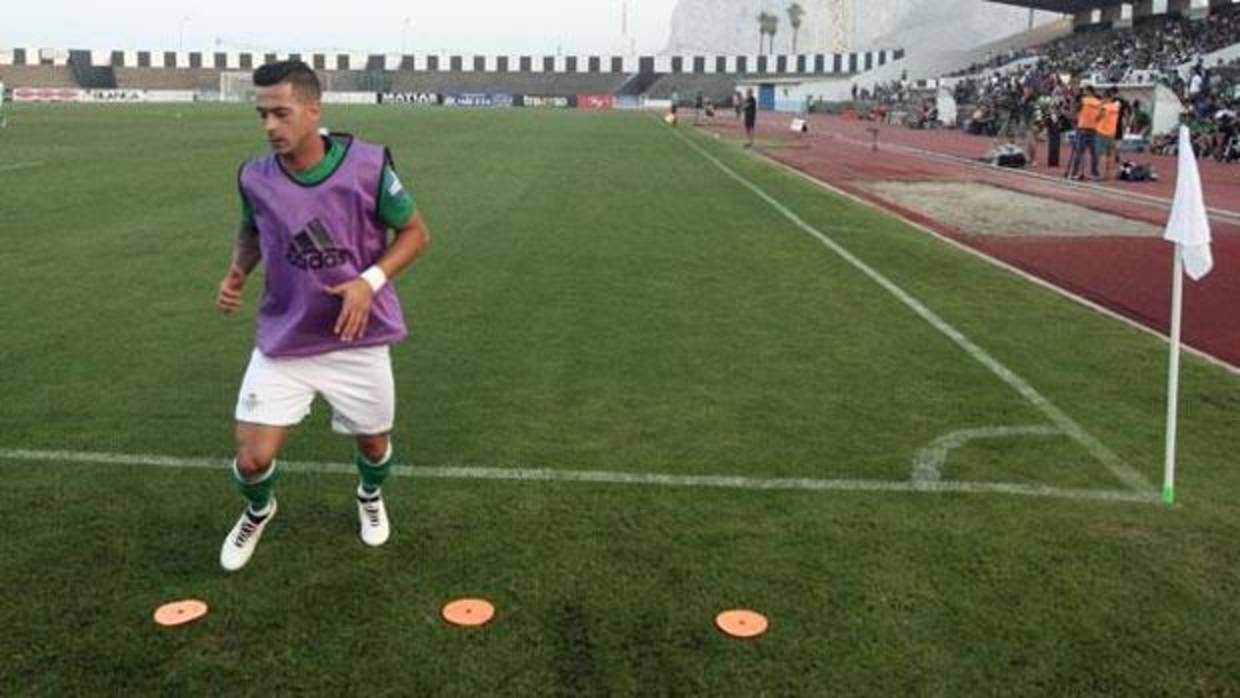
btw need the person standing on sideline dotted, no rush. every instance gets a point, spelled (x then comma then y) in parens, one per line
(316, 212)
(1050, 112)
(1031, 123)
(1121, 131)
(1088, 114)
(1056, 122)
(1138, 122)
(1108, 132)
(1196, 87)
(751, 116)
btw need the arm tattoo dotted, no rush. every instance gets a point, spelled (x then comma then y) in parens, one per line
(247, 253)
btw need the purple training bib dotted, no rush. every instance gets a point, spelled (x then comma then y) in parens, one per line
(314, 237)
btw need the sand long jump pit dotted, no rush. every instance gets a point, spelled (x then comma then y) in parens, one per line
(977, 208)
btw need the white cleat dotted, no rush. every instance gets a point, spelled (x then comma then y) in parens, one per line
(243, 538)
(372, 517)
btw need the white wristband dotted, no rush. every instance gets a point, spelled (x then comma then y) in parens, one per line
(375, 277)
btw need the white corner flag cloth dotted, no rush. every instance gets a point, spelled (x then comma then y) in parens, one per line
(1189, 226)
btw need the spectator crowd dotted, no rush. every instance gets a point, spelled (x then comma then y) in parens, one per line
(1158, 44)
(1040, 101)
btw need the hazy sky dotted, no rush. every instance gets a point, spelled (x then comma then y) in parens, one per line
(379, 26)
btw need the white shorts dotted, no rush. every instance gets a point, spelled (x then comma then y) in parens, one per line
(357, 383)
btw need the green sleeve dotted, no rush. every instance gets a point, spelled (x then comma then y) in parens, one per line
(247, 211)
(396, 205)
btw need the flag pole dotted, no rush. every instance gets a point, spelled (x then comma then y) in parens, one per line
(1189, 228)
(1173, 379)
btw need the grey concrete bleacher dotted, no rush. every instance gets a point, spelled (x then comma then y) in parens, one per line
(167, 78)
(346, 81)
(929, 63)
(542, 84)
(719, 88)
(637, 84)
(89, 75)
(37, 76)
(208, 79)
(401, 81)
(1038, 36)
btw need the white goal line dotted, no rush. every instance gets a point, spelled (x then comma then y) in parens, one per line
(528, 474)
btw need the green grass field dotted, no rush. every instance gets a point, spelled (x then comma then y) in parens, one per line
(598, 298)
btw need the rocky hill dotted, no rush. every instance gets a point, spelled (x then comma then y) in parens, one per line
(731, 26)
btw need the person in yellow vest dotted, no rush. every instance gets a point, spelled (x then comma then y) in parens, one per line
(1088, 114)
(1108, 133)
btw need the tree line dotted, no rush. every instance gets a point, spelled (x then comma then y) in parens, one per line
(768, 25)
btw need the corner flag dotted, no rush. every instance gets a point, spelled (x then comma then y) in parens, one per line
(1189, 229)
(1189, 226)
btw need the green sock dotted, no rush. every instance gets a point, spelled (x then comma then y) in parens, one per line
(256, 491)
(373, 474)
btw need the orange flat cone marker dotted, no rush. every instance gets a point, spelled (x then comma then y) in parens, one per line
(741, 623)
(180, 612)
(468, 612)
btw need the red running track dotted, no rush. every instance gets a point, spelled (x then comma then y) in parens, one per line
(1131, 276)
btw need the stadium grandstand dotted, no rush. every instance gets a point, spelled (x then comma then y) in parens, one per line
(81, 75)
(1172, 67)
(1185, 54)
(1088, 14)
(1151, 42)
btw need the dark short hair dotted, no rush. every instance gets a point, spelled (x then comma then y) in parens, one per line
(296, 73)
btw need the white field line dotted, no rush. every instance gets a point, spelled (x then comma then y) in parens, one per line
(1125, 474)
(1208, 358)
(929, 461)
(19, 166)
(523, 474)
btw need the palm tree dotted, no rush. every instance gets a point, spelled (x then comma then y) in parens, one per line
(795, 13)
(767, 24)
(763, 26)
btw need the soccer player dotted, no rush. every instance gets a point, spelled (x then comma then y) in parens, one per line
(751, 116)
(317, 212)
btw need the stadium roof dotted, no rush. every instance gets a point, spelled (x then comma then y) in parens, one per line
(1064, 6)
